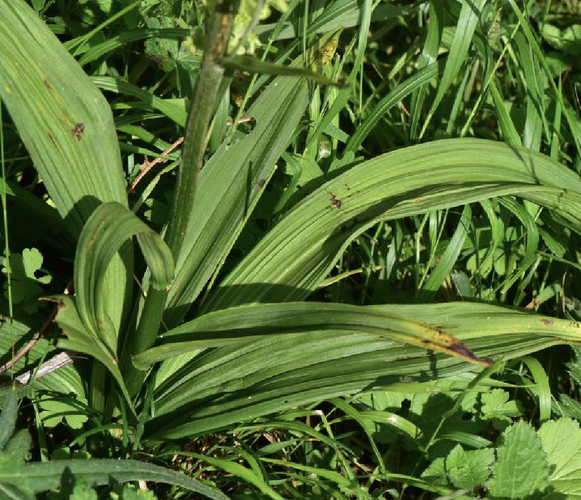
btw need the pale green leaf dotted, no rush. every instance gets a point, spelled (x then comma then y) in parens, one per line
(468, 469)
(110, 226)
(436, 471)
(297, 254)
(54, 411)
(522, 468)
(496, 404)
(561, 441)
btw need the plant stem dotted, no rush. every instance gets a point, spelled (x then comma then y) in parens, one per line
(202, 109)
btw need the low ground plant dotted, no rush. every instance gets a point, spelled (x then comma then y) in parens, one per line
(290, 250)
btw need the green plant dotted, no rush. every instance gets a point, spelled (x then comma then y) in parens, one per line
(20, 478)
(255, 346)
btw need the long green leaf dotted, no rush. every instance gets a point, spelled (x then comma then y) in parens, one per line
(298, 253)
(110, 226)
(231, 184)
(67, 127)
(170, 109)
(250, 323)
(254, 65)
(467, 22)
(412, 84)
(40, 477)
(226, 385)
(79, 339)
(62, 118)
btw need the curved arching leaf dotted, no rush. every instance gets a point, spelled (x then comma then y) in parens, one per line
(110, 226)
(38, 477)
(80, 339)
(223, 386)
(250, 323)
(293, 258)
(67, 127)
(233, 180)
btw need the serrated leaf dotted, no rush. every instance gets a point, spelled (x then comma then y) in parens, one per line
(561, 441)
(496, 404)
(436, 471)
(521, 468)
(468, 469)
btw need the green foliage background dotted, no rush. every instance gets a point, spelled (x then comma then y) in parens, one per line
(346, 275)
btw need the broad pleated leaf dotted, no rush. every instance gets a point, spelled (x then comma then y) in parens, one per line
(106, 231)
(231, 184)
(250, 323)
(79, 339)
(297, 254)
(226, 385)
(66, 125)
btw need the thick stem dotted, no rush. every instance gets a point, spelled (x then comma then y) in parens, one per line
(202, 109)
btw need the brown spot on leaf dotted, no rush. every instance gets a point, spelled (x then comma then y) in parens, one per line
(51, 137)
(47, 84)
(462, 350)
(78, 130)
(335, 202)
(548, 322)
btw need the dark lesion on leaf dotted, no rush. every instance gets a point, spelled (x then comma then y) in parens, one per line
(47, 84)
(52, 138)
(462, 350)
(335, 202)
(78, 130)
